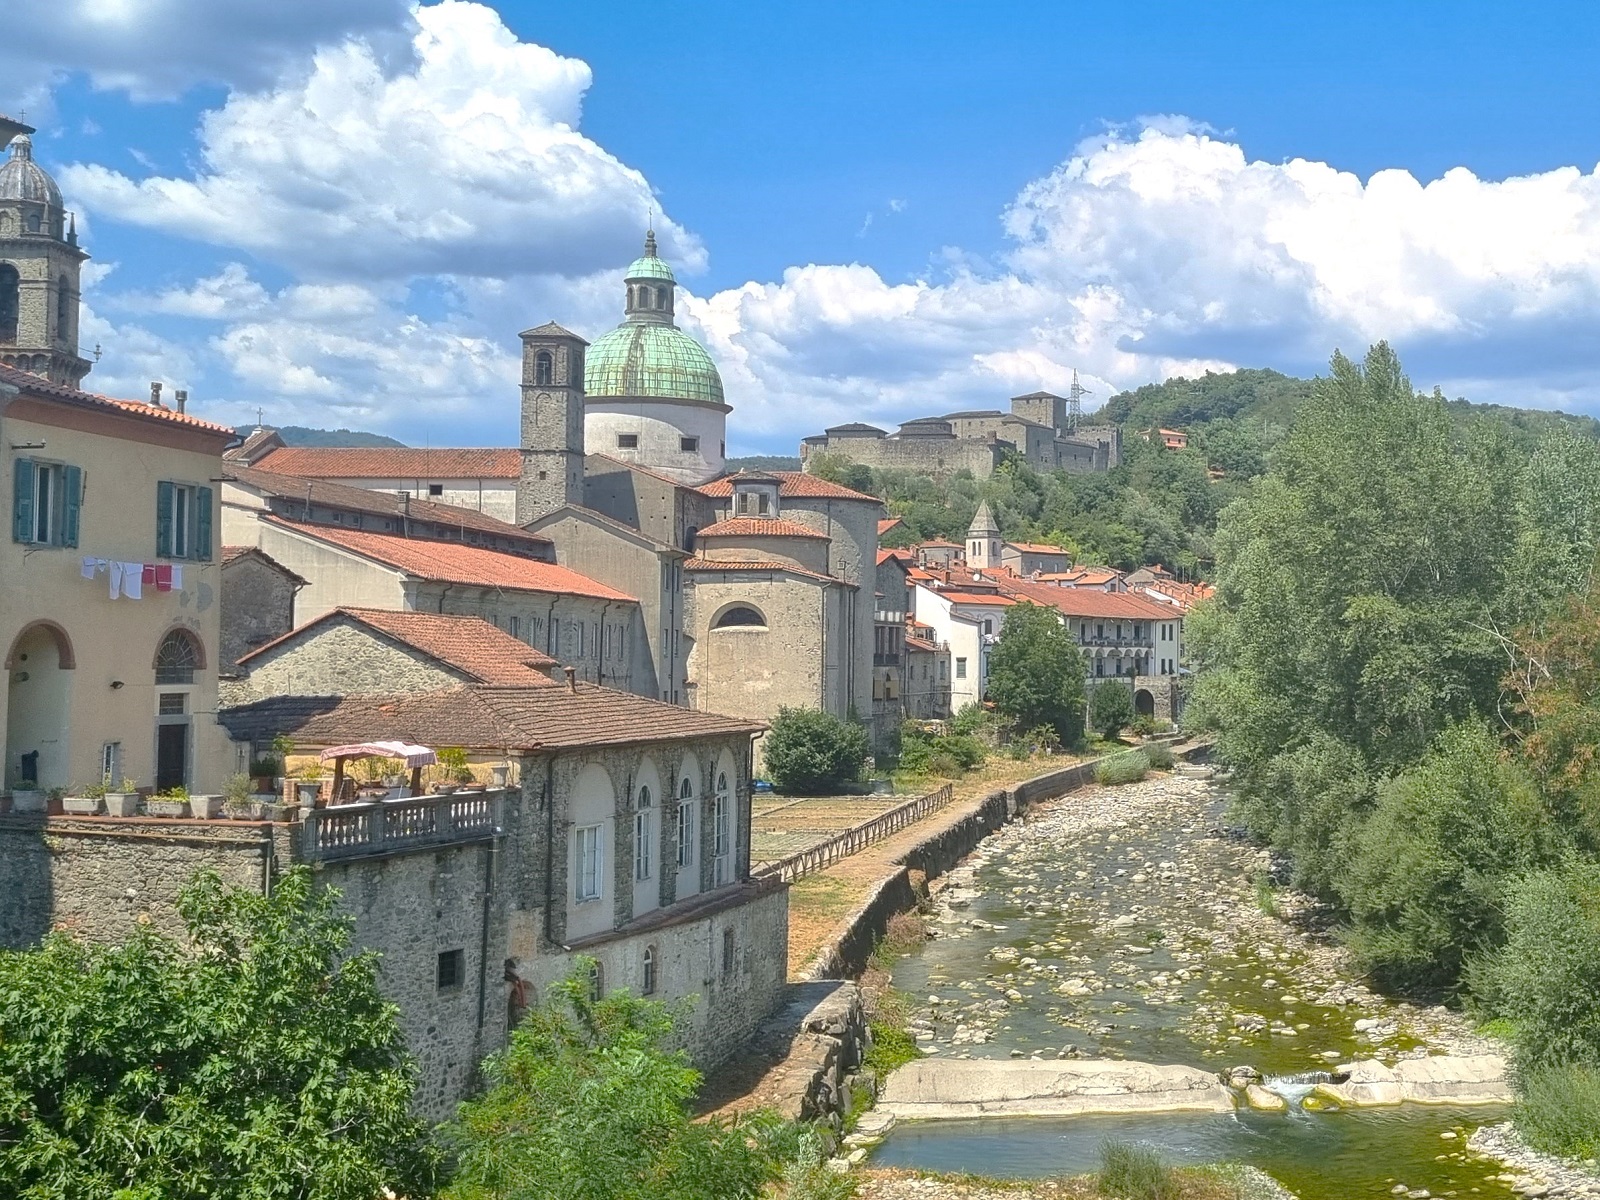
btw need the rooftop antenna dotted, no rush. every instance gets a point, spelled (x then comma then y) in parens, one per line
(1075, 396)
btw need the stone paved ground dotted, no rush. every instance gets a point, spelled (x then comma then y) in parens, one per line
(785, 825)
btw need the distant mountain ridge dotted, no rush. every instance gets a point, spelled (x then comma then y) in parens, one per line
(301, 435)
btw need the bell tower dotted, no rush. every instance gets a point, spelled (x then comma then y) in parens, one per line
(40, 263)
(552, 421)
(983, 539)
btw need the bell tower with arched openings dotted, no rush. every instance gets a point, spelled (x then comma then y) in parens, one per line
(40, 263)
(552, 421)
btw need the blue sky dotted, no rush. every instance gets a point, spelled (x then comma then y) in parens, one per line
(344, 211)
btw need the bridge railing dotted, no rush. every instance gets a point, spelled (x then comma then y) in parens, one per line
(857, 838)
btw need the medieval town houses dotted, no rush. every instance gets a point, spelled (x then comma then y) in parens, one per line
(600, 621)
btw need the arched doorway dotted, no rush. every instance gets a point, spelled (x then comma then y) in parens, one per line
(1144, 703)
(39, 695)
(178, 657)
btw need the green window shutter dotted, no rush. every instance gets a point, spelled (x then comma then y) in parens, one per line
(71, 501)
(164, 503)
(22, 501)
(202, 524)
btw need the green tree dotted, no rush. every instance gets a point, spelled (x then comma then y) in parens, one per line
(256, 1061)
(810, 751)
(1110, 707)
(588, 1104)
(1036, 673)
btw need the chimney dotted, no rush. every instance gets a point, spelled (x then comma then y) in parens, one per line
(155, 393)
(182, 397)
(572, 679)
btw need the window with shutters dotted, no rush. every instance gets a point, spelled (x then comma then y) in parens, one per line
(183, 521)
(588, 852)
(45, 503)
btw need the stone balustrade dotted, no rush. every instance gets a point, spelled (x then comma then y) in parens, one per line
(343, 831)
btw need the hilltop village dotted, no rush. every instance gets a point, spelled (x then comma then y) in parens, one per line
(600, 622)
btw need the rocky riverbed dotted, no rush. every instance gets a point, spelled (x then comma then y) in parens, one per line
(1130, 923)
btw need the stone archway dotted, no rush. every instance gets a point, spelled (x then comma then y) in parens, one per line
(39, 695)
(1144, 703)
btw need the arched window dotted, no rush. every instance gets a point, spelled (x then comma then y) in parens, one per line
(10, 283)
(686, 823)
(33, 222)
(177, 658)
(544, 368)
(722, 831)
(63, 308)
(741, 616)
(664, 299)
(650, 965)
(597, 982)
(643, 837)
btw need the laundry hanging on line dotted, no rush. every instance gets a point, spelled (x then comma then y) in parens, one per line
(129, 579)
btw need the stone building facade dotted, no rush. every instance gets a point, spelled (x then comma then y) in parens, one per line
(1038, 427)
(40, 264)
(257, 598)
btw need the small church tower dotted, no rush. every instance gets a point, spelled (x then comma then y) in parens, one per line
(39, 267)
(552, 421)
(983, 539)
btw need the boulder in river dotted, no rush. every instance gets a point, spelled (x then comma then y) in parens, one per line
(976, 1088)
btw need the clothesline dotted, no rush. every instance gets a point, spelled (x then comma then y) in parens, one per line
(129, 579)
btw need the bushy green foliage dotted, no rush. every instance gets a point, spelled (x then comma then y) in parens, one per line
(587, 1104)
(1128, 767)
(1558, 1110)
(1546, 978)
(892, 1047)
(1429, 870)
(256, 1060)
(1110, 707)
(810, 752)
(1159, 755)
(1036, 673)
(1130, 1172)
(1310, 801)
(944, 755)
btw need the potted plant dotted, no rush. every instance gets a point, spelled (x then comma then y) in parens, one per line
(124, 802)
(500, 773)
(308, 785)
(236, 795)
(174, 802)
(56, 805)
(84, 802)
(262, 772)
(27, 798)
(205, 806)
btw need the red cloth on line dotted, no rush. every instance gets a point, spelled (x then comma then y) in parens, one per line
(148, 576)
(163, 578)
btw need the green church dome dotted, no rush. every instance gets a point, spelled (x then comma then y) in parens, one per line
(650, 267)
(641, 358)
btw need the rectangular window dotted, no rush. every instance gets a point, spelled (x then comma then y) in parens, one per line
(641, 845)
(588, 854)
(172, 704)
(689, 445)
(554, 645)
(763, 503)
(436, 489)
(686, 833)
(627, 441)
(45, 502)
(961, 668)
(183, 521)
(514, 626)
(452, 970)
(743, 506)
(111, 764)
(727, 953)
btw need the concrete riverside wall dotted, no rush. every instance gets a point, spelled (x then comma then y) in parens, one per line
(942, 1087)
(938, 853)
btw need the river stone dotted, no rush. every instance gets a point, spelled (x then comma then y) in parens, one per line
(975, 1088)
(1454, 1079)
(1259, 1098)
(1369, 1085)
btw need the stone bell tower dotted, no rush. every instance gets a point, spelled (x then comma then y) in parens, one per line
(552, 421)
(39, 267)
(983, 539)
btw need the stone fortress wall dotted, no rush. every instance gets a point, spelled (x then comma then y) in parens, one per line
(1039, 427)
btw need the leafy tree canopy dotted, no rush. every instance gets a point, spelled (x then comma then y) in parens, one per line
(1110, 707)
(257, 1062)
(1036, 672)
(810, 751)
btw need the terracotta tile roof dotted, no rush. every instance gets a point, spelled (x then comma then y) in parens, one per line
(1036, 548)
(454, 562)
(938, 544)
(903, 557)
(394, 462)
(1089, 602)
(717, 564)
(888, 523)
(913, 642)
(760, 527)
(482, 718)
(229, 553)
(359, 499)
(39, 386)
(791, 484)
(992, 598)
(232, 554)
(470, 645)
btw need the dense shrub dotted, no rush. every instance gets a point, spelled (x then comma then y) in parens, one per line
(1546, 978)
(810, 751)
(1310, 801)
(1036, 673)
(946, 755)
(1110, 707)
(1431, 866)
(1558, 1110)
(1159, 755)
(1128, 767)
(1134, 1173)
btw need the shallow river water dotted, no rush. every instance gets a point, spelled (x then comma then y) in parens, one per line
(1125, 923)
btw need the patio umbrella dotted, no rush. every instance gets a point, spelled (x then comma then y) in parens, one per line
(415, 757)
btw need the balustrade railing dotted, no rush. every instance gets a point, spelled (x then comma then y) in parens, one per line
(858, 838)
(393, 826)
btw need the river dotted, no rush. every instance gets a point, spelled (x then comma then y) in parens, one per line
(1128, 923)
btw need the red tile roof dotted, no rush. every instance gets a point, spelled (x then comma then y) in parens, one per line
(994, 598)
(888, 523)
(926, 645)
(394, 462)
(1036, 548)
(1089, 602)
(793, 485)
(470, 645)
(453, 562)
(359, 499)
(524, 720)
(717, 564)
(39, 386)
(938, 544)
(760, 527)
(232, 554)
